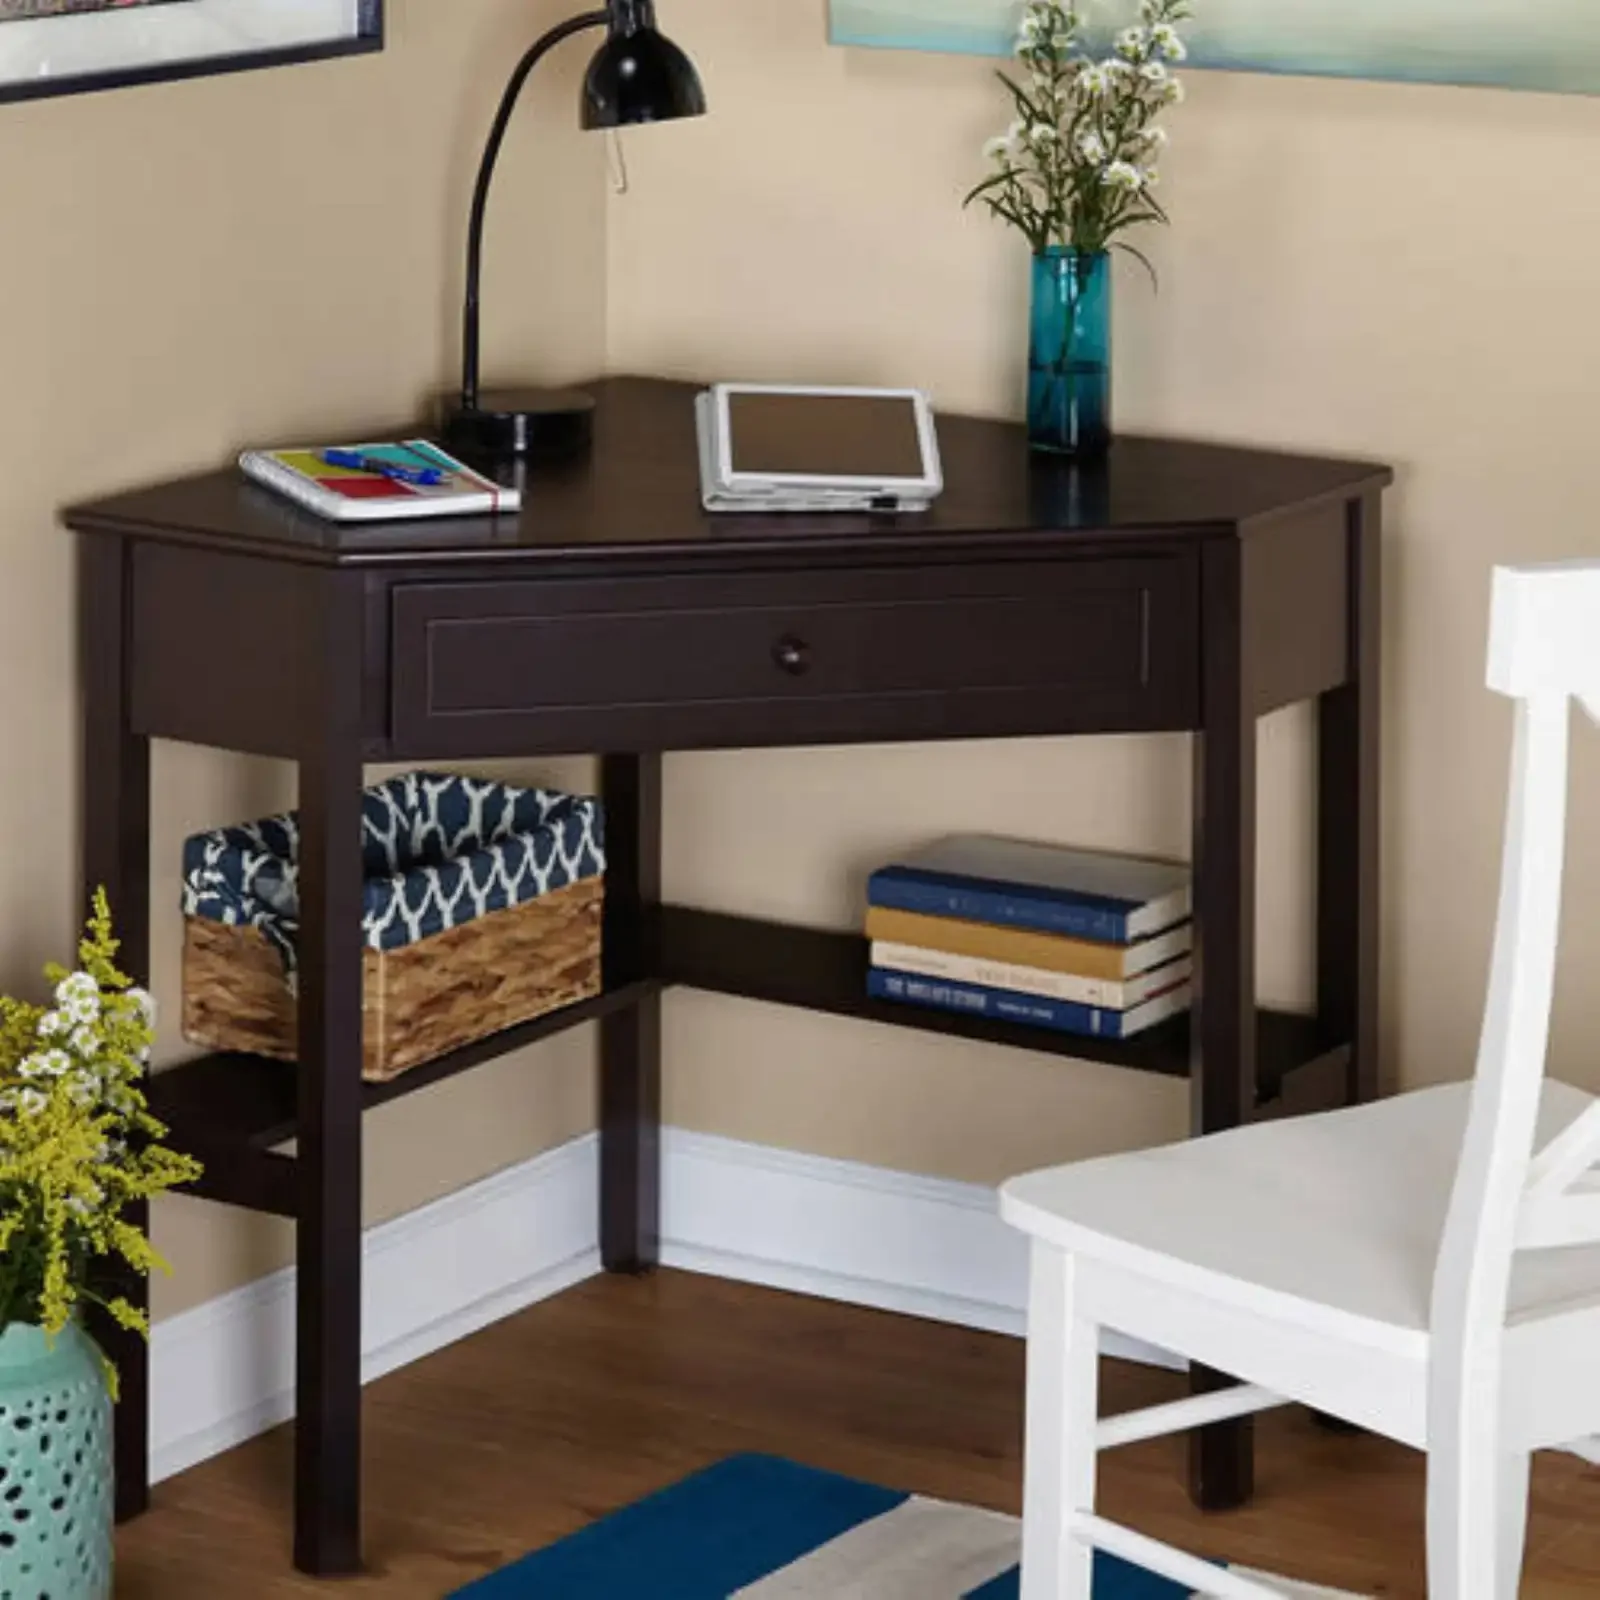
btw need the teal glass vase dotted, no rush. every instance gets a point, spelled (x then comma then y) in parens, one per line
(56, 1524)
(1069, 353)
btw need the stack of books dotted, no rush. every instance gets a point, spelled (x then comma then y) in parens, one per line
(1081, 941)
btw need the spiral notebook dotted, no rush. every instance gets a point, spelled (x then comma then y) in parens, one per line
(351, 494)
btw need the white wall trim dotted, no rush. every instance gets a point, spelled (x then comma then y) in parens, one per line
(223, 1372)
(926, 1247)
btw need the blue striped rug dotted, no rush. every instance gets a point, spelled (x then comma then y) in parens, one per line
(760, 1528)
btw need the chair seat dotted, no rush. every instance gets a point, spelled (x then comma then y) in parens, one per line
(1331, 1221)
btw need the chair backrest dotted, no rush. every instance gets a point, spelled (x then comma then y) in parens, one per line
(1544, 653)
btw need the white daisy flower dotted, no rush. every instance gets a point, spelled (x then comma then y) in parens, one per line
(1123, 175)
(1154, 72)
(85, 1041)
(1165, 38)
(1042, 133)
(1154, 138)
(997, 149)
(1065, 23)
(1095, 81)
(78, 986)
(52, 1024)
(145, 1003)
(1092, 148)
(52, 1063)
(30, 1102)
(1132, 43)
(80, 1010)
(1172, 92)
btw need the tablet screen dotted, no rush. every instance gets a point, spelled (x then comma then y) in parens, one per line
(825, 436)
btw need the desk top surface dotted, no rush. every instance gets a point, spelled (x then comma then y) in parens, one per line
(636, 494)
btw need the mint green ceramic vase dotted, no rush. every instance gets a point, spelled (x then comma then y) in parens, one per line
(55, 1467)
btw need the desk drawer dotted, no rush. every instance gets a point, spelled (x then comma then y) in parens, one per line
(881, 653)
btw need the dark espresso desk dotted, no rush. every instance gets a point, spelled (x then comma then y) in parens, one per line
(1179, 587)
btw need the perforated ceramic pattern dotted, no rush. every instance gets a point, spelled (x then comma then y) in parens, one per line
(55, 1488)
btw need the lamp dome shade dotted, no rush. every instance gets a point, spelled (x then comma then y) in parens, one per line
(641, 76)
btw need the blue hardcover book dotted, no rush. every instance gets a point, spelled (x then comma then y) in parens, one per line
(1063, 1016)
(1081, 894)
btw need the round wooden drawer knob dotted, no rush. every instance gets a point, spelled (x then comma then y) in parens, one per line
(792, 656)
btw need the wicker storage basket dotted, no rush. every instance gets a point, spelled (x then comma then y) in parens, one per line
(482, 910)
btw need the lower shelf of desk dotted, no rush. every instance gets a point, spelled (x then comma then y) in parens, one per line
(231, 1110)
(822, 970)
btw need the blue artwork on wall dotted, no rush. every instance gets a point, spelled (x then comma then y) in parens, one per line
(1551, 45)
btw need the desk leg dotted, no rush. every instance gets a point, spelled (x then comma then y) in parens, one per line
(630, 1041)
(115, 780)
(1223, 1073)
(327, 1538)
(1348, 821)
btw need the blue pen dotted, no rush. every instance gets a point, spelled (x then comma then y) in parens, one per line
(356, 461)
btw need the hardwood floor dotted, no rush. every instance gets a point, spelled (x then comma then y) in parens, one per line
(510, 1439)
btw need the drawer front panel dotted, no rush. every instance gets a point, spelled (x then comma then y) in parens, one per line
(681, 662)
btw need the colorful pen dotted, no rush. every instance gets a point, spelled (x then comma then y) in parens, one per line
(356, 461)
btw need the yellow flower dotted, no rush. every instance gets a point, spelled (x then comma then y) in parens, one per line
(78, 1145)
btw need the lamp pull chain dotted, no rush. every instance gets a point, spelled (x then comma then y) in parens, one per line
(619, 162)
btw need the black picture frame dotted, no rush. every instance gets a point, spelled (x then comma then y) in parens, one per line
(367, 39)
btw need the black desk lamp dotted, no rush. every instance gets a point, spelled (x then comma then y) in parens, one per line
(637, 75)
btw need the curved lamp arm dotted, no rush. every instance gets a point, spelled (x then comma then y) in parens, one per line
(480, 198)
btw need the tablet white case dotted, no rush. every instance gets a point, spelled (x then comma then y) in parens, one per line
(722, 489)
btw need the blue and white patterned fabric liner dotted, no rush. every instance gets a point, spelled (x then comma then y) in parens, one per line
(438, 850)
(756, 1527)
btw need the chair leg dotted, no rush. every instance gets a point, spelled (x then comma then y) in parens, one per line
(1059, 1464)
(1515, 1470)
(1477, 1522)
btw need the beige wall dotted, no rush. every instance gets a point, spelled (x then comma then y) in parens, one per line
(1354, 267)
(268, 256)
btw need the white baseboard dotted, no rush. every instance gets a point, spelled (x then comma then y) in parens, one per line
(926, 1247)
(922, 1246)
(224, 1372)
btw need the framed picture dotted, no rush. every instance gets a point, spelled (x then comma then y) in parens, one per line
(55, 47)
(1546, 45)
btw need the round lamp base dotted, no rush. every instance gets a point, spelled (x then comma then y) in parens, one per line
(509, 424)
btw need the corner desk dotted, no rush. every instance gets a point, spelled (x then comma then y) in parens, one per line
(1176, 586)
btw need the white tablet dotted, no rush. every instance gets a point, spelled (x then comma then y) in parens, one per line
(788, 447)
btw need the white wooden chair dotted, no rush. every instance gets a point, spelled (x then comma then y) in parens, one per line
(1425, 1267)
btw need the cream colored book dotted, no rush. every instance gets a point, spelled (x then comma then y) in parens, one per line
(1084, 958)
(1102, 992)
